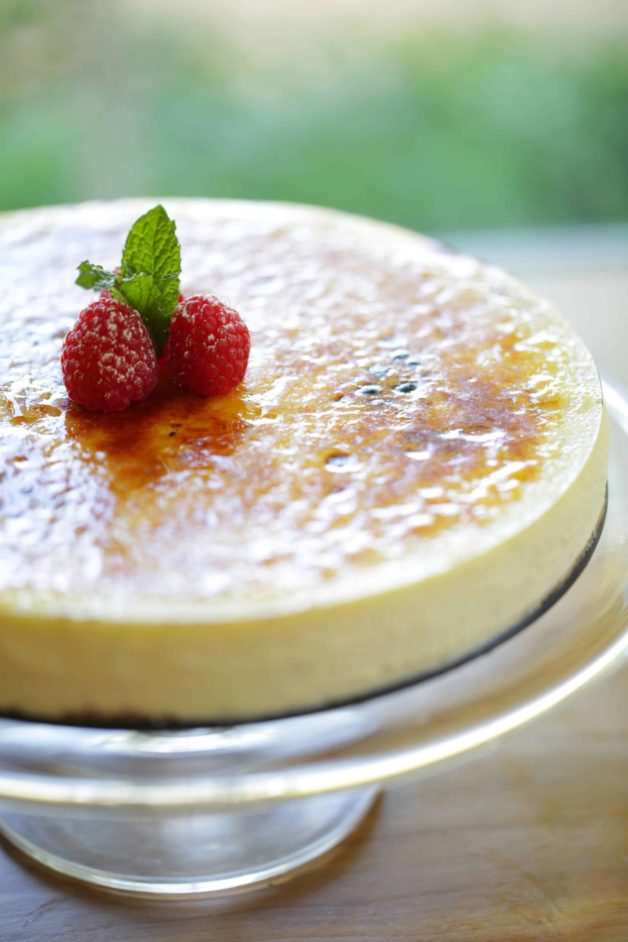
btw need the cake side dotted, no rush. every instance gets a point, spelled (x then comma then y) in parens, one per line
(199, 672)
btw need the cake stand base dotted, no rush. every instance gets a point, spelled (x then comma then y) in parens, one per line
(188, 854)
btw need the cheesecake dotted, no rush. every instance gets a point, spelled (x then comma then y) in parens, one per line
(414, 467)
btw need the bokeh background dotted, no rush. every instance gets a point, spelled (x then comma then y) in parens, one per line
(436, 115)
(493, 122)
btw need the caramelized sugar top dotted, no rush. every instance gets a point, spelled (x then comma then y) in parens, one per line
(388, 398)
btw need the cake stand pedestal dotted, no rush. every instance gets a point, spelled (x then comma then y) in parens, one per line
(186, 855)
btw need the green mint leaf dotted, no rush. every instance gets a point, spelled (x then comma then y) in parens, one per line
(169, 288)
(151, 266)
(137, 290)
(94, 277)
(152, 247)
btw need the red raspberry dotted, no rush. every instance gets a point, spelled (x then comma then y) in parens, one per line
(108, 358)
(209, 346)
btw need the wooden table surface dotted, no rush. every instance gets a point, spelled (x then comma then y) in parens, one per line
(526, 844)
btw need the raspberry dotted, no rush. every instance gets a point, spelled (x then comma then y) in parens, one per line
(209, 346)
(108, 358)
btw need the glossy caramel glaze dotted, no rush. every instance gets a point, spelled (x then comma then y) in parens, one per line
(392, 394)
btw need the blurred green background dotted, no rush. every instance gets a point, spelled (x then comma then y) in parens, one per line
(439, 122)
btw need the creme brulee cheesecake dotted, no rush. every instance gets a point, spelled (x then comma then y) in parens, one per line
(415, 463)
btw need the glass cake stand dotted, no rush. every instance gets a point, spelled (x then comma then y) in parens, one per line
(217, 810)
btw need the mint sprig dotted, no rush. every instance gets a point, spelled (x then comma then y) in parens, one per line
(148, 278)
(94, 277)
